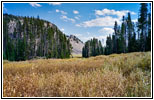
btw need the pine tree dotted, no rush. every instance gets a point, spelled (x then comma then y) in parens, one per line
(122, 42)
(142, 25)
(134, 43)
(115, 37)
(130, 32)
(108, 48)
(149, 31)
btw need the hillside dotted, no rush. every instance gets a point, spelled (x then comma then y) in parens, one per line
(77, 45)
(116, 75)
(28, 37)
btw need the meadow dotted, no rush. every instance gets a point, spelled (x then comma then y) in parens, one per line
(116, 75)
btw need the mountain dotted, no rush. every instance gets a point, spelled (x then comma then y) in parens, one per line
(28, 37)
(76, 43)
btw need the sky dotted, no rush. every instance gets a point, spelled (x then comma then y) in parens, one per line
(84, 20)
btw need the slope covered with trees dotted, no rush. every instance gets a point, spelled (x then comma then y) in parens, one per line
(27, 37)
(129, 37)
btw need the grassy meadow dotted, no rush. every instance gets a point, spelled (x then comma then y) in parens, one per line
(116, 75)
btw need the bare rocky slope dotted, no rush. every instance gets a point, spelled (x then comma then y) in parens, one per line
(76, 43)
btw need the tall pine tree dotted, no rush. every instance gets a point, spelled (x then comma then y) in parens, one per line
(142, 26)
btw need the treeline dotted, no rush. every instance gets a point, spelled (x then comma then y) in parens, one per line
(28, 37)
(130, 36)
(92, 47)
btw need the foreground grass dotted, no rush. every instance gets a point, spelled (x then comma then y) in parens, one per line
(117, 75)
(76, 56)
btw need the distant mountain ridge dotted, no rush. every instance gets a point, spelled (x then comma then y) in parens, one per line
(76, 43)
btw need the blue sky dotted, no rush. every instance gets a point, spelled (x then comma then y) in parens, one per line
(84, 20)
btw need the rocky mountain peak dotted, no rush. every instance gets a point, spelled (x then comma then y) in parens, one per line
(76, 43)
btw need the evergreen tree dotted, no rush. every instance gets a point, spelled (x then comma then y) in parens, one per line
(115, 38)
(149, 31)
(122, 42)
(108, 48)
(130, 32)
(142, 25)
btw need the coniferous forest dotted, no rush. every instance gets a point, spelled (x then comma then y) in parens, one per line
(127, 37)
(27, 37)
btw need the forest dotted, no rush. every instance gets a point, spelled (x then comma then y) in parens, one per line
(28, 37)
(129, 37)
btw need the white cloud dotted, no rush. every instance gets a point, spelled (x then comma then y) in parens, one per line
(135, 20)
(78, 25)
(133, 13)
(78, 35)
(107, 18)
(65, 18)
(106, 30)
(75, 12)
(88, 33)
(86, 38)
(57, 10)
(100, 21)
(62, 12)
(102, 39)
(76, 17)
(71, 20)
(113, 12)
(35, 5)
(55, 3)
(62, 29)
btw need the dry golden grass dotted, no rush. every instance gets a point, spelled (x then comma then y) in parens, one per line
(116, 75)
(76, 56)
